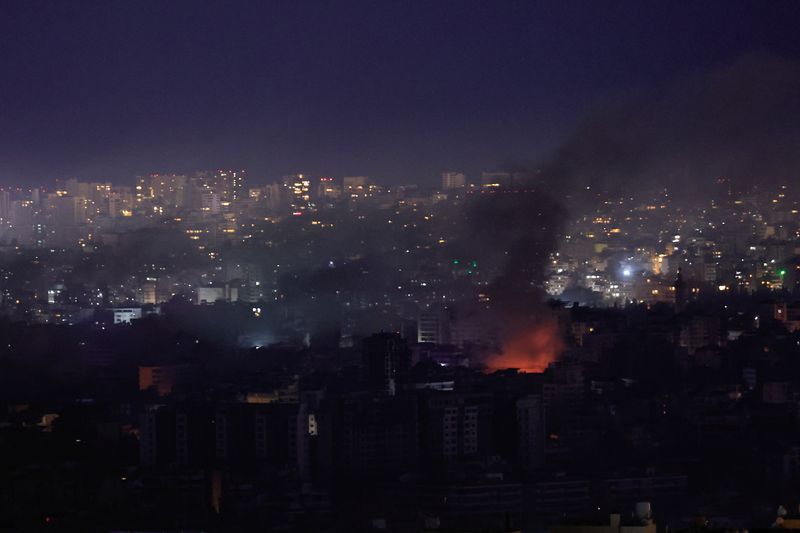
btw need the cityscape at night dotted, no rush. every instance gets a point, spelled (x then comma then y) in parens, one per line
(451, 266)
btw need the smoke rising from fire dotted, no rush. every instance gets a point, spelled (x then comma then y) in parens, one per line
(532, 350)
(737, 121)
(513, 233)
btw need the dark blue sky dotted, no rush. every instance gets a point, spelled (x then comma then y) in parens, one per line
(396, 90)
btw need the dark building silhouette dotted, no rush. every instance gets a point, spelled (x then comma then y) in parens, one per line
(456, 426)
(367, 437)
(680, 292)
(386, 358)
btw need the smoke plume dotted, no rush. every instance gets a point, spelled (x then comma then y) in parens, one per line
(738, 121)
(514, 232)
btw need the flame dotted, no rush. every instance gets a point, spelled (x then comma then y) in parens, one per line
(530, 351)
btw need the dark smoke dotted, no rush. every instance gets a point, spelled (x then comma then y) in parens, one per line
(514, 233)
(739, 121)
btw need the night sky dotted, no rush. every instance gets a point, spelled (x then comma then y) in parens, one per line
(399, 91)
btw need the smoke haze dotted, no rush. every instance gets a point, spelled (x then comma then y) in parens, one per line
(738, 121)
(514, 234)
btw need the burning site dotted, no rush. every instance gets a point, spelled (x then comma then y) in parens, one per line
(514, 234)
(531, 350)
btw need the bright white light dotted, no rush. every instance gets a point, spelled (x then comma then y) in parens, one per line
(626, 272)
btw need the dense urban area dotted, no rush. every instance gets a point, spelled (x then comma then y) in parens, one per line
(217, 352)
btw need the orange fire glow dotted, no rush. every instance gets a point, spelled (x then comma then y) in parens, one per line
(530, 351)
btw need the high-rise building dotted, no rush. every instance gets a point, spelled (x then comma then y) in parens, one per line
(457, 425)
(367, 437)
(247, 434)
(229, 184)
(297, 189)
(165, 190)
(226, 292)
(210, 203)
(65, 210)
(148, 295)
(22, 219)
(328, 189)
(453, 180)
(433, 326)
(68, 217)
(169, 189)
(271, 197)
(530, 431)
(156, 436)
(354, 182)
(5, 205)
(175, 434)
(119, 202)
(355, 186)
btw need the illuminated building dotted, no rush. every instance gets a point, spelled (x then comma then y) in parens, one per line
(229, 184)
(354, 187)
(350, 183)
(214, 192)
(119, 202)
(168, 190)
(328, 189)
(496, 179)
(148, 295)
(126, 315)
(211, 294)
(297, 190)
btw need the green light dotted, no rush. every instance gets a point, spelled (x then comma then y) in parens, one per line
(474, 264)
(455, 261)
(782, 272)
